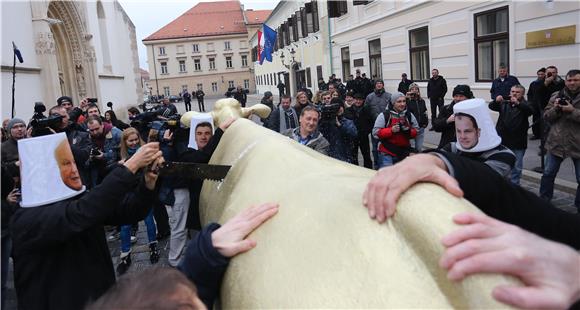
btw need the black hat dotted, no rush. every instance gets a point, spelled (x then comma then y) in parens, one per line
(62, 99)
(359, 96)
(464, 90)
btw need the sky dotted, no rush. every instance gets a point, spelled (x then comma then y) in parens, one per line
(149, 16)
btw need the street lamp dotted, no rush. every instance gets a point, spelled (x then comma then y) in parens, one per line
(292, 62)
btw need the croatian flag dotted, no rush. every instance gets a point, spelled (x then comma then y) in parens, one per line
(266, 41)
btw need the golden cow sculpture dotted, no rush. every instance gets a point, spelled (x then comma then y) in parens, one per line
(321, 250)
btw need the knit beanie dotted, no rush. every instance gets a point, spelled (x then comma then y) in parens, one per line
(60, 100)
(464, 90)
(396, 95)
(13, 122)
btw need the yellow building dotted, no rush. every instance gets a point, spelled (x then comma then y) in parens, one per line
(204, 48)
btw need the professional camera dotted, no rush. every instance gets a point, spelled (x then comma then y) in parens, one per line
(95, 152)
(564, 99)
(92, 100)
(329, 112)
(40, 123)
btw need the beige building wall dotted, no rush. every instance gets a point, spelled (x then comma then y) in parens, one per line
(207, 48)
(451, 38)
(310, 52)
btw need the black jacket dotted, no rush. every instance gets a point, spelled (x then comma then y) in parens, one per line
(436, 88)
(363, 119)
(419, 110)
(61, 257)
(440, 125)
(512, 124)
(404, 86)
(500, 199)
(198, 156)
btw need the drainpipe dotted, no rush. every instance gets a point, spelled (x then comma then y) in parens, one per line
(329, 40)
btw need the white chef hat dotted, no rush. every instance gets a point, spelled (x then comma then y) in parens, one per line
(477, 108)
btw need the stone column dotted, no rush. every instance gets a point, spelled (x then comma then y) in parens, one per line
(45, 47)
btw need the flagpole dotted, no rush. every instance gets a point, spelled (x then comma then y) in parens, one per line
(13, 77)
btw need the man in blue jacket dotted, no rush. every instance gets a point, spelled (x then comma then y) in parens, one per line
(502, 85)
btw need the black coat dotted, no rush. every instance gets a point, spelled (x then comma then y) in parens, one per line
(440, 125)
(419, 110)
(61, 256)
(512, 124)
(436, 88)
(198, 156)
(500, 199)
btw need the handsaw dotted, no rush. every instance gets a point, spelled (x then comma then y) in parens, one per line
(194, 170)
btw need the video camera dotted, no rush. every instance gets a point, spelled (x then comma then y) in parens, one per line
(329, 112)
(40, 123)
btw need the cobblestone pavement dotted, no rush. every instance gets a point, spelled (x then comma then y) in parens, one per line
(140, 258)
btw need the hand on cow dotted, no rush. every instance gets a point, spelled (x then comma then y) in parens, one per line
(230, 239)
(385, 188)
(226, 124)
(548, 270)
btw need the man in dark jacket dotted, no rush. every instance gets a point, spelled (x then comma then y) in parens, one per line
(267, 100)
(445, 122)
(17, 130)
(61, 257)
(512, 126)
(364, 124)
(378, 102)
(501, 86)
(436, 90)
(404, 84)
(283, 117)
(240, 95)
(186, 100)
(534, 104)
(199, 94)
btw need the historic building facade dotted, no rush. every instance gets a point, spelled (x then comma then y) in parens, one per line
(204, 48)
(466, 41)
(302, 51)
(74, 48)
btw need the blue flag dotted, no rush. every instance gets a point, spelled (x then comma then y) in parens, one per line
(269, 39)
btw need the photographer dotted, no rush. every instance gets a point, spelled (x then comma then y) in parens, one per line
(107, 140)
(329, 128)
(512, 126)
(80, 141)
(563, 113)
(417, 106)
(395, 128)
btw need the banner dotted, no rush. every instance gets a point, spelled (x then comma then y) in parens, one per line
(48, 170)
(268, 37)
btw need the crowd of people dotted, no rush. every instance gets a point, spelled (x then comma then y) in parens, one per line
(57, 247)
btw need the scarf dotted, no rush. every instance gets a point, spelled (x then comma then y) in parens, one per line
(288, 119)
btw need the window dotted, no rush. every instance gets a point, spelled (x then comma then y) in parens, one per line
(337, 8)
(162, 50)
(375, 59)
(183, 88)
(246, 84)
(291, 30)
(311, 12)
(419, 53)
(197, 64)
(199, 86)
(345, 56)
(195, 48)
(180, 49)
(308, 78)
(214, 87)
(166, 91)
(318, 73)
(244, 60)
(182, 66)
(231, 84)
(229, 64)
(295, 33)
(491, 43)
(163, 67)
(212, 63)
(210, 47)
(287, 33)
(227, 45)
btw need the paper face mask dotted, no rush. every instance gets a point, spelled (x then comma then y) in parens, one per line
(48, 170)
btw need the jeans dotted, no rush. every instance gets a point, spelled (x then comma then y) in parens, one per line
(177, 221)
(417, 143)
(386, 160)
(550, 171)
(6, 251)
(435, 103)
(516, 173)
(126, 232)
(375, 151)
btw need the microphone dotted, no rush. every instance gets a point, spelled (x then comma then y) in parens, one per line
(17, 53)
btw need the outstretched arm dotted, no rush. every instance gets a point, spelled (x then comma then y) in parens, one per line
(549, 271)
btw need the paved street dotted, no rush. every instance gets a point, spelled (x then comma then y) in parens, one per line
(563, 199)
